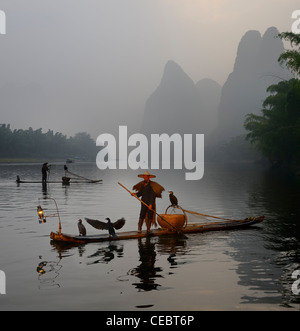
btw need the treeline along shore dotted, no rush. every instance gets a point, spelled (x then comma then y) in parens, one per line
(276, 131)
(34, 145)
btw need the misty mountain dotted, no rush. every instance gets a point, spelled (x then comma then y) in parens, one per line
(256, 67)
(178, 105)
(208, 95)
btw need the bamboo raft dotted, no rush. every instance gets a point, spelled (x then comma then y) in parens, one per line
(63, 181)
(190, 228)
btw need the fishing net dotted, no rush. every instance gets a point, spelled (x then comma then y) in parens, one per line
(79, 178)
(193, 217)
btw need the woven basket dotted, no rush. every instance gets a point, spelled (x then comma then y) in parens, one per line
(172, 221)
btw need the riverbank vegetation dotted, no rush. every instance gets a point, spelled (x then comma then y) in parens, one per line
(35, 145)
(276, 132)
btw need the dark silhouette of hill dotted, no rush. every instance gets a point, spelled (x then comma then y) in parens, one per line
(256, 67)
(178, 105)
(208, 95)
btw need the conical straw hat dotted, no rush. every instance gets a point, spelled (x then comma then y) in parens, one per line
(146, 173)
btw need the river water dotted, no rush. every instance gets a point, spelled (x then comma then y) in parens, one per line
(228, 270)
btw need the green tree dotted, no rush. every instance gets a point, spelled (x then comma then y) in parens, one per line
(291, 57)
(276, 133)
(31, 143)
(82, 145)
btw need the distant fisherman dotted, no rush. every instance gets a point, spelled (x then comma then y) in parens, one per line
(45, 170)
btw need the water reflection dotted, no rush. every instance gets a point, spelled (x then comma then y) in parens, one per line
(49, 272)
(173, 246)
(256, 273)
(268, 256)
(263, 258)
(146, 271)
(45, 189)
(106, 254)
(280, 197)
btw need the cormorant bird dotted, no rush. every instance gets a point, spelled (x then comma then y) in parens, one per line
(81, 228)
(107, 226)
(173, 199)
(65, 169)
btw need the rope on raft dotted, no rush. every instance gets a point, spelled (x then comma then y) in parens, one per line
(210, 216)
(201, 215)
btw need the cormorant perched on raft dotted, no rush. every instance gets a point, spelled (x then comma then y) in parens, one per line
(65, 179)
(81, 228)
(65, 169)
(173, 199)
(107, 226)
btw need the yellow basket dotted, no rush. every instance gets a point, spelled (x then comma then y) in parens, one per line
(172, 221)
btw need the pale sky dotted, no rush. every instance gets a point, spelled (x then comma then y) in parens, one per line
(90, 65)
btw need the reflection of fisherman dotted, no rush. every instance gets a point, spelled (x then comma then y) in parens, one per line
(149, 191)
(147, 272)
(45, 169)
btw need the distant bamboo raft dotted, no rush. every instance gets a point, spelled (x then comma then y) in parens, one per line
(64, 180)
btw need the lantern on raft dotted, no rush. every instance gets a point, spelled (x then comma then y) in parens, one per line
(42, 216)
(40, 211)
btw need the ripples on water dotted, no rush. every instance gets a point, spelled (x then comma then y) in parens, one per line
(249, 269)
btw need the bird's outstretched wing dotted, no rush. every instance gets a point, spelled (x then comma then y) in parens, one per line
(97, 224)
(119, 223)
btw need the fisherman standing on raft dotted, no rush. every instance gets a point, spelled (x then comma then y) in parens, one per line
(45, 169)
(149, 191)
